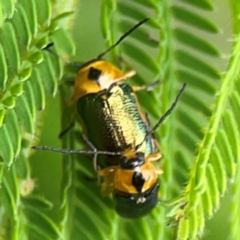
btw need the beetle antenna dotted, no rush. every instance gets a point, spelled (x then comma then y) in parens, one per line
(167, 113)
(93, 151)
(74, 151)
(122, 37)
(49, 45)
(48, 48)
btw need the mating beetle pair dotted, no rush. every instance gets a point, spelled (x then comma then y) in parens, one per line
(120, 132)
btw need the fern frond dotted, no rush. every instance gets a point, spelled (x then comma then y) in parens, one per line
(218, 153)
(28, 74)
(194, 68)
(235, 130)
(39, 225)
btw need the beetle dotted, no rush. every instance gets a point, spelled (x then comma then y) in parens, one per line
(120, 132)
(113, 121)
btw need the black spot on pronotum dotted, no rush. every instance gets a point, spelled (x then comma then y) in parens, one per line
(94, 74)
(138, 181)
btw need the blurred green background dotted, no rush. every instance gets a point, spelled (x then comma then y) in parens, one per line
(86, 32)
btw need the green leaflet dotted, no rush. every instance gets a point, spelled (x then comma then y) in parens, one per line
(217, 159)
(196, 42)
(218, 163)
(9, 43)
(198, 82)
(7, 9)
(197, 64)
(144, 59)
(193, 19)
(3, 70)
(24, 30)
(205, 4)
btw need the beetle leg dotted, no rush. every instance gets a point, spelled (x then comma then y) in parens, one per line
(105, 172)
(91, 147)
(107, 184)
(154, 157)
(148, 87)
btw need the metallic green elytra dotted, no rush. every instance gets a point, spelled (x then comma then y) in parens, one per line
(114, 121)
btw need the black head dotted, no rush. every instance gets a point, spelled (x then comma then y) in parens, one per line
(126, 163)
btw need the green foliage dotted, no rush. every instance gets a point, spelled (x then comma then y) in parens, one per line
(28, 73)
(218, 154)
(199, 141)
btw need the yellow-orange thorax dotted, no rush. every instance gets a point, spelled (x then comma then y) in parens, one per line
(97, 76)
(123, 178)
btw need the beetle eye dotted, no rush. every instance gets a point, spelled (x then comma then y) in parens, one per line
(94, 74)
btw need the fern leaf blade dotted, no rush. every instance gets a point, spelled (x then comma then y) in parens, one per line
(44, 12)
(223, 144)
(8, 8)
(141, 56)
(196, 64)
(47, 226)
(187, 119)
(195, 42)
(13, 131)
(205, 4)
(3, 71)
(196, 81)
(140, 35)
(235, 105)
(9, 41)
(135, 13)
(38, 90)
(218, 163)
(230, 126)
(193, 19)
(31, 13)
(7, 151)
(150, 4)
(22, 29)
(195, 102)
(24, 113)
